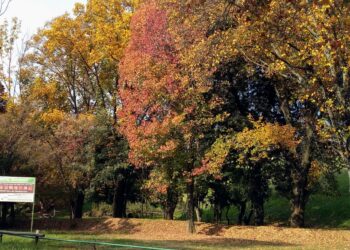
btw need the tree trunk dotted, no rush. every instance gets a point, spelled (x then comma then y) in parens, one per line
(242, 208)
(78, 205)
(258, 211)
(72, 210)
(4, 210)
(190, 206)
(217, 213)
(300, 173)
(247, 218)
(227, 215)
(198, 211)
(349, 178)
(12, 214)
(119, 201)
(299, 200)
(170, 204)
(169, 213)
(257, 195)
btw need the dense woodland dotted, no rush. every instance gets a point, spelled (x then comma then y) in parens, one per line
(161, 101)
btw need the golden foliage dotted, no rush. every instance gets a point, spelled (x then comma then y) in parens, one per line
(263, 137)
(52, 117)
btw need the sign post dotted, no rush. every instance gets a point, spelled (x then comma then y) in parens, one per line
(18, 189)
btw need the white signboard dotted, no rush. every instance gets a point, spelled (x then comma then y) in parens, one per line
(17, 189)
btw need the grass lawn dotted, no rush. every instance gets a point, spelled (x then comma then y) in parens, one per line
(321, 212)
(10, 242)
(224, 243)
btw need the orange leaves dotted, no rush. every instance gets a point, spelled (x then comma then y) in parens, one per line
(148, 86)
(157, 183)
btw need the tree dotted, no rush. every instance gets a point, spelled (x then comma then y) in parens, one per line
(293, 55)
(17, 131)
(71, 154)
(71, 76)
(164, 114)
(9, 32)
(82, 52)
(114, 179)
(2, 100)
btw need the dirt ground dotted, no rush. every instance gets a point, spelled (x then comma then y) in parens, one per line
(219, 236)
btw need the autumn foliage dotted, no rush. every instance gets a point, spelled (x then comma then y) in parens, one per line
(148, 84)
(162, 101)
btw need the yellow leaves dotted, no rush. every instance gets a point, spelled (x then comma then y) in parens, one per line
(324, 130)
(330, 103)
(97, 31)
(47, 95)
(264, 137)
(280, 66)
(79, 9)
(109, 32)
(10, 102)
(251, 144)
(315, 173)
(52, 117)
(40, 90)
(86, 117)
(217, 154)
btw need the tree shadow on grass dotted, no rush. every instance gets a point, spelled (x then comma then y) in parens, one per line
(105, 226)
(85, 226)
(212, 229)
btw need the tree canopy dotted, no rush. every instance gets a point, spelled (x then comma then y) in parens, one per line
(180, 103)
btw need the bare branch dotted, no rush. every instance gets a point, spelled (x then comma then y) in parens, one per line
(4, 5)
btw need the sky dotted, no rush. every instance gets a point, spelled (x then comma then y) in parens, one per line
(35, 13)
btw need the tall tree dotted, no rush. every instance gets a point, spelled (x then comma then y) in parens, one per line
(164, 113)
(295, 55)
(72, 74)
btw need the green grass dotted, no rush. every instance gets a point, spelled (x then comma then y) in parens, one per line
(14, 243)
(11, 242)
(334, 211)
(321, 212)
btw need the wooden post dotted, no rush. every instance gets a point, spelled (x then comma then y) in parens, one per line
(32, 222)
(33, 207)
